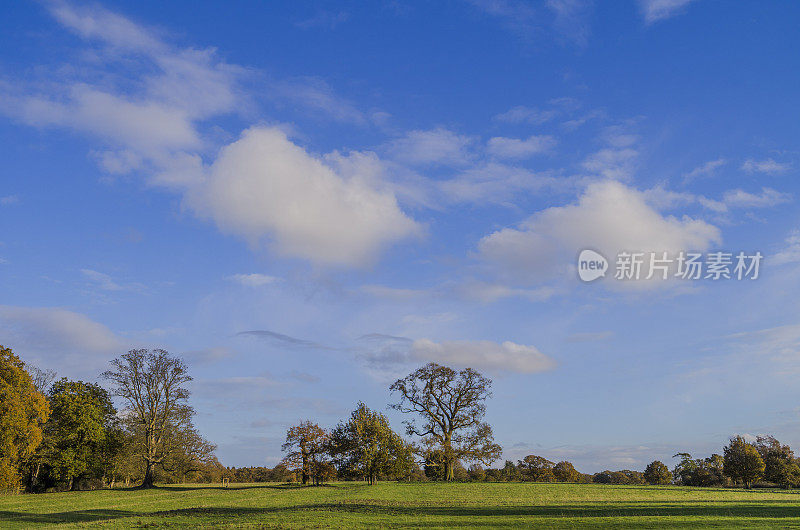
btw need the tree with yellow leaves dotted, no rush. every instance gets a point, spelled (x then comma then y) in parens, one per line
(23, 411)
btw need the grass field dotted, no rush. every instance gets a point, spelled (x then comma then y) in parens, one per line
(416, 505)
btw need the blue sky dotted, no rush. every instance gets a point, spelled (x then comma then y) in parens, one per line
(309, 200)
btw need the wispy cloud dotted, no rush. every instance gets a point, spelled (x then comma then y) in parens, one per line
(655, 10)
(324, 20)
(522, 114)
(105, 282)
(280, 338)
(768, 165)
(253, 279)
(520, 148)
(704, 170)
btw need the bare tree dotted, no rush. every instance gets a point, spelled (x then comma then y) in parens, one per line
(151, 383)
(452, 406)
(42, 379)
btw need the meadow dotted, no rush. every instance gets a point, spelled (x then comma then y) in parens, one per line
(348, 504)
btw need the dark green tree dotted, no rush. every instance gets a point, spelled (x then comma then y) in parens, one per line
(536, 469)
(78, 433)
(657, 473)
(742, 462)
(780, 466)
(365, 446)
(565, 472)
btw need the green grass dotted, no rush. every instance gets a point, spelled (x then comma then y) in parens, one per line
(416, 505)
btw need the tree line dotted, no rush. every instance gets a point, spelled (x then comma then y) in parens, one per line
(64, 434)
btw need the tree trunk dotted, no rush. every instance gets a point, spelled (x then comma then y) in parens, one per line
(448, 470)
(148, 476)
(35, 476)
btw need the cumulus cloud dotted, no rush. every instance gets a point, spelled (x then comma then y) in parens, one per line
(655, 10)
(393, 354)
(519, 148)
(609, 217)
(265, 186)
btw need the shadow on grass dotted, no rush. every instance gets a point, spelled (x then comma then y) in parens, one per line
(753, 511)
(232, 487)
(78, 516)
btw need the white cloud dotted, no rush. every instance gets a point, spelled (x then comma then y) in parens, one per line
(336, 210)
(58, 339)
(655, 10)
(612, 163)
(790, 252)
(765, 166)
(483, 355)
(519, 148)
(436, 146)
(263, 185)
(253, 280)
(608, 217)
(662, 198)
(742, 199)
(148, 116)
(394, 354)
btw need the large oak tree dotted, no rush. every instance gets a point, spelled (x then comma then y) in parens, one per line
(452, 406)
(152, 384)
